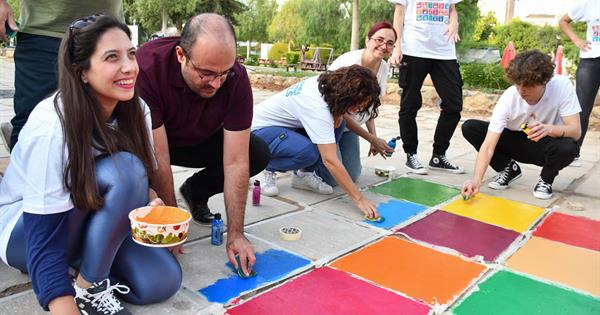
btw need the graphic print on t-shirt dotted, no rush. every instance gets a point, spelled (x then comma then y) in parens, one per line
(435, 11)
(294, 89)
(595, 32)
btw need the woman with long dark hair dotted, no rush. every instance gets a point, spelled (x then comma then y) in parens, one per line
(302, 124)
(81, 164)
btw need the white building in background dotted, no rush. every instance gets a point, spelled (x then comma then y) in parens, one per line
(540, 12)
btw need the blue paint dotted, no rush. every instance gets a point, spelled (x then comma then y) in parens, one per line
(270, 266)
(396, 212)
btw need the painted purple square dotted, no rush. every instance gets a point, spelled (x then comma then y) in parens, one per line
(467, 236)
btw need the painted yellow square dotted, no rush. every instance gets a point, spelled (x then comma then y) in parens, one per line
(501, 212)
(572, 266)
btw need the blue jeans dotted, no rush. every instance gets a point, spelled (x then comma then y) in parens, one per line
(348, 151)
(588, 81)
(99, 241)
(291, 149)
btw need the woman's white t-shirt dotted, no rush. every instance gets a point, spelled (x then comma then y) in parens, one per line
(559, 100)
(33, 181)
(355, 58)
(425, 25)
(299, 106)
(588, 11)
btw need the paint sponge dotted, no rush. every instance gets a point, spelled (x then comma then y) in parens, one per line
(379, 219)
(239, 270)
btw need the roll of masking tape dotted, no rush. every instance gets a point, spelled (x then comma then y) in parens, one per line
(290, 233)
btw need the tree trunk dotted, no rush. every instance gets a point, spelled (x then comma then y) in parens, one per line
(165, 18)
(355, 26)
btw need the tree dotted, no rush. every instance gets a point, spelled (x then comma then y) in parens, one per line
(371, 12)
(325, 21)
(287, 24)
(468, 14)
(253, 23)
(155, 14)
(14, 5)
(526, 36)
(226, 8)
(355, 26)
(484, 28)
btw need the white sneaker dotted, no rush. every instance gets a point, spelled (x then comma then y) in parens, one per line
(310, 181)
(269, 187)
(576, 162)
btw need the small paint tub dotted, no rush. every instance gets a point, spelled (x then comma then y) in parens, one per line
(160, 226)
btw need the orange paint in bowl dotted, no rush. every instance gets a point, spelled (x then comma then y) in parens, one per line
(164, 215)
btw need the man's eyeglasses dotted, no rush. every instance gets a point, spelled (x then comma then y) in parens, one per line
(380, 41)
(207, 75)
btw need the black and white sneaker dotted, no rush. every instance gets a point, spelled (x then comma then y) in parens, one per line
(542, 190)
(100, 299)
(511, 172)
(413, 164)
(440, 162)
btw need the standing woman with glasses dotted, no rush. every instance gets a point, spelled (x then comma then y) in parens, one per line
(379, 43)
(83, 161)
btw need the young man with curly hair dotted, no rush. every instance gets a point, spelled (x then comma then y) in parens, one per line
(536, 121)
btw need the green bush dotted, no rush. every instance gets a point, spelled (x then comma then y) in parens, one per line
(292, 57)
(277, 51)
(479, 75)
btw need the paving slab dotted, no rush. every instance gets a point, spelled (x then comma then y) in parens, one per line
(345, 207)
(417, 191)
(205, 266)
(324, 236)
(329, 292)
(10, 277)
(24, 303)
(182, 303)
(508, 293)
(589, 187)
(580, 206)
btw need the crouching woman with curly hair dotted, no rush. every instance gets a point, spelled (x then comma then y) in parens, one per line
(303, 123)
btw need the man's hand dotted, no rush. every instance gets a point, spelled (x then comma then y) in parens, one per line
(6, 16)
(239, 244)
(396, 57)
(452, 33)
(470, 188)
(379, 146)
(537, 131)
(584, 45)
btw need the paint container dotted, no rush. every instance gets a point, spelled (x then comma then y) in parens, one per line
(216, 230)
(256, 193)
(392, 144)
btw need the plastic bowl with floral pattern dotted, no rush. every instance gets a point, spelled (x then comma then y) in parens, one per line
(159, 226)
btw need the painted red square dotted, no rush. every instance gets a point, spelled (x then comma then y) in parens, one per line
(327, 291)
(572, 230)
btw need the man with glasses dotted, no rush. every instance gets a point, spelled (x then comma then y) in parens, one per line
(427, 33)
(43, 24)
(201, 103)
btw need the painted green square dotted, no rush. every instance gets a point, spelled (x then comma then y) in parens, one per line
(508, 293)
(418, 191)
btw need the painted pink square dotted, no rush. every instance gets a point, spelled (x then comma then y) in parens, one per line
(465, 235)
(328, 291)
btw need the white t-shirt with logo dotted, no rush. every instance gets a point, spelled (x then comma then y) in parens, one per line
(425, 23)
(355, 58)
(299, 106)
(559, 100)
(33, 181)
(589, 12)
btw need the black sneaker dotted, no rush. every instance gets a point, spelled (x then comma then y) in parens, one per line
(413, 164)
(200, 211)
(542, 190)
(440, 162)
(511, 172)
(100, 299)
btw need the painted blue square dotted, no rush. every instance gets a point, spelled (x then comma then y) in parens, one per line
(396, 212)
(271, 266)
